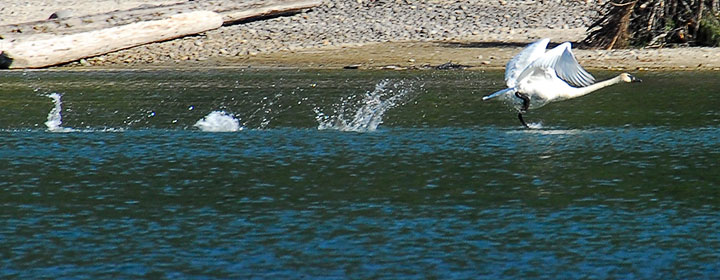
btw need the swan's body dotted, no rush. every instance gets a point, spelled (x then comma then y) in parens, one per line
(536, 77)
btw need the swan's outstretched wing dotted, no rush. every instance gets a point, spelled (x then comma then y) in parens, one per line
(521, 61)
(569, 69)
(562, 60)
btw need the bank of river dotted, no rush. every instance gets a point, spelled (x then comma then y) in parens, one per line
(376, 34)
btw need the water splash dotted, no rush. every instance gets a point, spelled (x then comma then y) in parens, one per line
(54, 118)
(537, 125)
(218, 121)
(364, 113)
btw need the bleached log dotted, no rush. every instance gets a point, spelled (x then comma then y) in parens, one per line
(51, 42)
(57, 49)
(232, 11)
(268, 8)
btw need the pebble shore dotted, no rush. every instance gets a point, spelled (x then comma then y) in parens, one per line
(377, 34)
(358, 22)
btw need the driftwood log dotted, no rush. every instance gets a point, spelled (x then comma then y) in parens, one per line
(64, 48)
(51, 42)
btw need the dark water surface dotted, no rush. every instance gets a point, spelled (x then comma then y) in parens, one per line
(346, 174)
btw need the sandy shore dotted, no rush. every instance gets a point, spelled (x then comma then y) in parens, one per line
(478, 55)
(377, 34)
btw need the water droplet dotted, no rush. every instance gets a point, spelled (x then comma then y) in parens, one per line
(368, 108)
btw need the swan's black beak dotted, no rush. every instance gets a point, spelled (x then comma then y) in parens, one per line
(634, 79)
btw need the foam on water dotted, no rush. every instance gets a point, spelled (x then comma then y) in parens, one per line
(364, 113)
(218, 121)
(54, 118)
(537, 125)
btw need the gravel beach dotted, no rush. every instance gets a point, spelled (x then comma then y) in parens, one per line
(377, 34)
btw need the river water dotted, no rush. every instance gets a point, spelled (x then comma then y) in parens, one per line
(354, 174)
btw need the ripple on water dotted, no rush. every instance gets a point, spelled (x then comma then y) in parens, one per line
(442, 189)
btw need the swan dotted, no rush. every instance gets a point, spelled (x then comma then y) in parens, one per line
(536, 77)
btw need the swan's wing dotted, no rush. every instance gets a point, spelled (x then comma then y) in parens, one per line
(562, 60)
(569, 70)
(519, 62)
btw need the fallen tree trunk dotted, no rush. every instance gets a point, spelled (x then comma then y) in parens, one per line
(231, 12)
(51, 42)
(235, 14)
(55, 50)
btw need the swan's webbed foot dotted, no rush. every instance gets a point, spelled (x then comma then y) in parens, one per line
(523, 121)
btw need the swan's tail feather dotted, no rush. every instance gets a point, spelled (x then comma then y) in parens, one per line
(499, 93)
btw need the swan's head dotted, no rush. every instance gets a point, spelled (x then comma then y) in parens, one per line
(625, 77)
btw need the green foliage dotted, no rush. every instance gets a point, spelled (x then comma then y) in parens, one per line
(670, 24)
(709, 31)
(655, 23)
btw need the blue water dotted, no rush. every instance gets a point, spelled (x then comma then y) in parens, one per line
(445, 186)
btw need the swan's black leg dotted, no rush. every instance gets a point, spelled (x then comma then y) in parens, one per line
(525, 106)
(525, 99)
(522, 121)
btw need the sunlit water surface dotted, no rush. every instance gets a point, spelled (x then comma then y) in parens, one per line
(345, 174)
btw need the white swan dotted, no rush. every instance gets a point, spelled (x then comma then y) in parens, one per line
(535, 77)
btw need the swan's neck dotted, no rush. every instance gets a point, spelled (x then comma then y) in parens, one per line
(577, 92)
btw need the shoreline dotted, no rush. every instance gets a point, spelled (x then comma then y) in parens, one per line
(482, 55)
(427, 55)
(373, 34)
